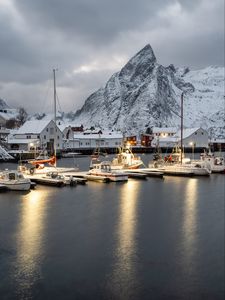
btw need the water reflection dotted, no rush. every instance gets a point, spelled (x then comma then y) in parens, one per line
(29, 242)
(124, 280)
(189, 221)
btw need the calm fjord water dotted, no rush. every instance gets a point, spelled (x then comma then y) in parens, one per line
(151, 239)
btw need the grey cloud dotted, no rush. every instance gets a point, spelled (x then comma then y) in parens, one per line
(99, 20)
(71, 33)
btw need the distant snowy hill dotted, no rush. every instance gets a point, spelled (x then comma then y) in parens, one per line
(145, 93)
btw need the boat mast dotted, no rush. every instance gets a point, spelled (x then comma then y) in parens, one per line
(181, 127)
(54, 82)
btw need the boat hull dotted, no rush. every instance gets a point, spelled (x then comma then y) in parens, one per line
(17, 186)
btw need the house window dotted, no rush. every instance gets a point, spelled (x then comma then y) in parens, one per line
(28, 136)
(44, 137)
(47, 129)
(58, 137)
(195, 133)
(51, 130)
(202, 133)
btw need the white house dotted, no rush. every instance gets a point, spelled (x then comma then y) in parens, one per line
(36, 134)
(192, 137)
(90, 140)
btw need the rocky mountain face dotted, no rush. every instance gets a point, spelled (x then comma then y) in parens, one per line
(3, 104)
(145, 93)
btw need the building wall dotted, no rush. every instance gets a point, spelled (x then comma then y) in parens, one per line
(197, 139)
(45, 136)
(92, 143)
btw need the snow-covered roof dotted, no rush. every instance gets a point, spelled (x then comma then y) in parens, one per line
(219, 141)
(164, 129)
(62, 126)
(187, 132)
(33, 127)
(98, 136)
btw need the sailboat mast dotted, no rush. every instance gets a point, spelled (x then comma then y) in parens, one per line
(54, 82)
(181, 127)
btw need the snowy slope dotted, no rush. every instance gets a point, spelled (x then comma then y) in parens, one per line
(145, 93)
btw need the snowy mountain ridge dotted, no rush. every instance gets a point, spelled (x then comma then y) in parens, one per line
(145, 93)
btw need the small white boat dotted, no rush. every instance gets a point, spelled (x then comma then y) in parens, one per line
(103, 169)
(125, 159)
(14, 180)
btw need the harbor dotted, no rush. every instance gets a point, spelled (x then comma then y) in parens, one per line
(95, 238)
(112, 150)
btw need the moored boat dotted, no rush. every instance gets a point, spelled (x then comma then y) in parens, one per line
(103, 169)
(14, 180)
(126, 159)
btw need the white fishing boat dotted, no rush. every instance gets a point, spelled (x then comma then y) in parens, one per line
(14, 180)
(216, 162)
(126, 159)
(103, 169)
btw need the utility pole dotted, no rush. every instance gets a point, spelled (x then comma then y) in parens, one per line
(54, 82)
(181, 127)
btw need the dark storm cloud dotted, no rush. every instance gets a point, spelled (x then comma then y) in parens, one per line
(88, 40)
(98, 20)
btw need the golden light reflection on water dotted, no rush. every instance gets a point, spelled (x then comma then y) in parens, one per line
(29, 241)
(189, 221)
(124, 272)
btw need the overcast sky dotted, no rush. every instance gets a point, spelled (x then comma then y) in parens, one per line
(89, 40)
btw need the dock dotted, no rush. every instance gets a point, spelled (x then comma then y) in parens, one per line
(146, 171)
(135, 175)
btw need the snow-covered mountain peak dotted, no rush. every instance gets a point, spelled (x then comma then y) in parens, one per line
(144, 93)
(140, 64)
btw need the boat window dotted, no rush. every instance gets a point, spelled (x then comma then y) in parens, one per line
(12, 176)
